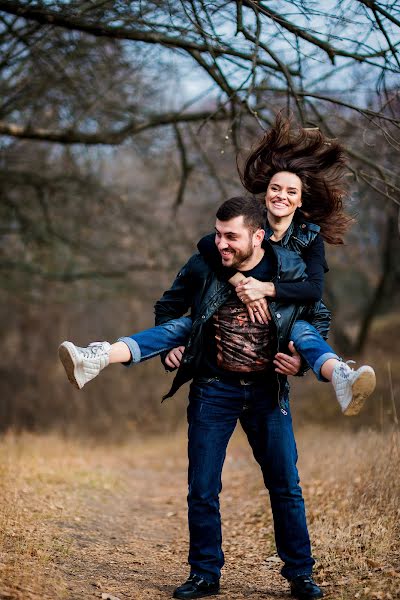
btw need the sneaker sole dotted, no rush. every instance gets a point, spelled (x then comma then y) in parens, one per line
(69, 359)
(196, 595)
(306, 596)
(362, 388)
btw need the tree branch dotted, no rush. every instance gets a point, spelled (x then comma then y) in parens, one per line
(388, 260)
(364, 111)
(61, 19)
(374, 6)
(68, 276)
(186, 168)
(108, 137)
(330, 50)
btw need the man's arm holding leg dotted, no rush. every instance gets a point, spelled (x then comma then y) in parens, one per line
(174, 303)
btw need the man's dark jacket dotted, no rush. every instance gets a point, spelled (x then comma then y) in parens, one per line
(200, 289)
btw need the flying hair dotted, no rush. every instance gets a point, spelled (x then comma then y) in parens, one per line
(319, 162)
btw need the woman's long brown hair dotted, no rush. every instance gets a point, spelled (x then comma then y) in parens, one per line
(318, 161)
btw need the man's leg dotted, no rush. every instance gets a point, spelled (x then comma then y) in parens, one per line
(212, 415)
(84, 364)
(271, 437)
(352, 388)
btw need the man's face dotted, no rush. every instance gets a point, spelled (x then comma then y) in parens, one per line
(235, 241)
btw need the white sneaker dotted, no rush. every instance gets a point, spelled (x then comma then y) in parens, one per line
(83, 364)
(352, 387)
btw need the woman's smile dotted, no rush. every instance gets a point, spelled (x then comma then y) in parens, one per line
(283, 195)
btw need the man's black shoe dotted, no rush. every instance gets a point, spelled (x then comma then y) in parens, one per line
(196, 587)
(304, 588)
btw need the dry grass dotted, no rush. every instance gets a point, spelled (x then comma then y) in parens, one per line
(64, 502)
(43, 480)
(315, 402)
(352, 489)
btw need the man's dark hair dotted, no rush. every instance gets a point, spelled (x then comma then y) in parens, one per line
(250, 208)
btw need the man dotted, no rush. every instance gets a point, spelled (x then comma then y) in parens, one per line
(230, 360)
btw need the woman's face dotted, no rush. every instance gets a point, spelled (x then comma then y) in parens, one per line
(283, 194)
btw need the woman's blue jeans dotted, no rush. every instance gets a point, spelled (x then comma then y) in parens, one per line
(151, 342)
(311, 346)
(215, 406)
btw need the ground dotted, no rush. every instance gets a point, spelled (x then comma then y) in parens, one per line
(82, 520)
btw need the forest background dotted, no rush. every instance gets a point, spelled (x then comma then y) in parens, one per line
(120, 125)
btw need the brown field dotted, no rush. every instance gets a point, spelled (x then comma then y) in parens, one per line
(86, 521)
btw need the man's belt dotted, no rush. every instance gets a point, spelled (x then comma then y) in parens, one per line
(246, 381)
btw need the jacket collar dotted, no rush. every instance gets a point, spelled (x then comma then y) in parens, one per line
(284, 241)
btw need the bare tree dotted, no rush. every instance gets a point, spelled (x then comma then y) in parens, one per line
(78, 78)
(119, 125)
(308, 56)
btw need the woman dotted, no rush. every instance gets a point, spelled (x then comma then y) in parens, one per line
(301, 175)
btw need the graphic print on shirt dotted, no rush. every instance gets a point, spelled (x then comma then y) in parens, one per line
(242, 346)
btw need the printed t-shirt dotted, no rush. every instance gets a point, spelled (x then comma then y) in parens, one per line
(234, 345)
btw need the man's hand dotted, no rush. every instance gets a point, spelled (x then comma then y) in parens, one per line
(288, 364)
(250, 289)
(259, 311)
(174, 357)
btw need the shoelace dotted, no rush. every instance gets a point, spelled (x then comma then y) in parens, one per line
(306, 579)
(93, 350)
(344, 372)
(197, 579)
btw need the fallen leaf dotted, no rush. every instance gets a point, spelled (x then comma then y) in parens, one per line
(392, 573)
(96, 584)
(106, 596)
(274, 559)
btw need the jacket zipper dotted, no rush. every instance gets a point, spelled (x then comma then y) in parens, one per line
(276, 278)
(300, 241)
(277, 325)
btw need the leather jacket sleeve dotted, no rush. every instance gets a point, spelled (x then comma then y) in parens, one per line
(310, 288)
(320, 317)
(176, 301)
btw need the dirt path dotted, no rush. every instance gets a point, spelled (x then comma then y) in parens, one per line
(80, 522)
(131, 541)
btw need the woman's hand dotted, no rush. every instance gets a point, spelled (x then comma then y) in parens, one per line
(286, 364)
(250, 289)
(174, 357)
(259, 311)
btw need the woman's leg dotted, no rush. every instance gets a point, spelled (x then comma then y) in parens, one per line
(154, 341)
(314, 349)
(83, 364)
(352, 388)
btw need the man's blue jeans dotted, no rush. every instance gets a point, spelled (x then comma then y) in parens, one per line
(151, 342)
(214, 409)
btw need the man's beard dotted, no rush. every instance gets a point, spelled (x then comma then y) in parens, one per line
(239, 257)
